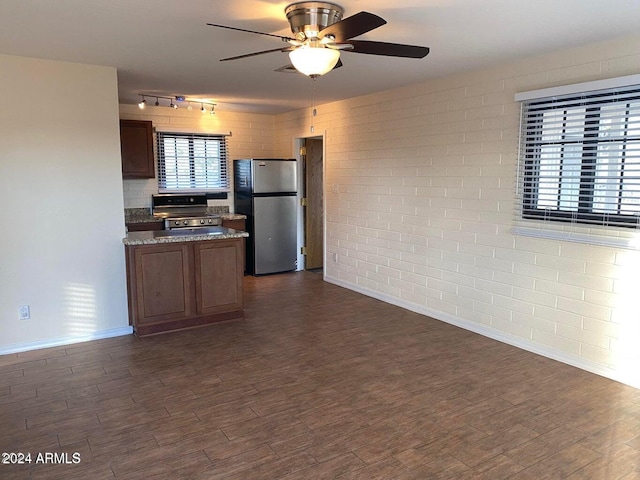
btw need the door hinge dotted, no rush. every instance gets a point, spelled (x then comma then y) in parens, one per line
(303, 201)
(303, 250)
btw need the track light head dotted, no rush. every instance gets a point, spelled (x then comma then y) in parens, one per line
(142, 104)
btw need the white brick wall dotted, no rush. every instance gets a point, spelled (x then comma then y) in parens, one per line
(252, 137)
(422, 215)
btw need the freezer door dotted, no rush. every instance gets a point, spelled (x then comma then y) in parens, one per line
(271, 176)
(274, 234)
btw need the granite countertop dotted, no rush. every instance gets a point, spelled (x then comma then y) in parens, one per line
(182, 235)
(143, 215)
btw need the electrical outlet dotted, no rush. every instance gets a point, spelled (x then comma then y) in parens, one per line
(23, 312)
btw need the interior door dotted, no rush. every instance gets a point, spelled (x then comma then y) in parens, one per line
(314, 212)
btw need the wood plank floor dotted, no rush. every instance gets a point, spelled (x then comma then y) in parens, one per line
(317, 382)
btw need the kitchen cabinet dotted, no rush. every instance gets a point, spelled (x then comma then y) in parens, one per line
(173, 286)
(218, 276)
(235, 224)
(238, 224)
(162, 281)
(144, 226)
(136, 146)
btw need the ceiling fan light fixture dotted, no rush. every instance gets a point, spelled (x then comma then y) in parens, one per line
(314, 61)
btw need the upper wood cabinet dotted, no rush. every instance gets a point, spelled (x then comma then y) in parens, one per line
(136, 144)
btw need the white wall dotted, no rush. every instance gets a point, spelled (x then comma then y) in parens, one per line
(61, 198)
(253, 136)
(420, 204)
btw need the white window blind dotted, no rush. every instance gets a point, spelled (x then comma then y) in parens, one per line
(192, 162)
(580, 159)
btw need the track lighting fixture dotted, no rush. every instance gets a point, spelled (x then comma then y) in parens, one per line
(174, 102)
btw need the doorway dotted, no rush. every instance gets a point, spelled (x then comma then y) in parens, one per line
(312, 161)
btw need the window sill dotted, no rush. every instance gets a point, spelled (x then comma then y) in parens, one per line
(631, 242)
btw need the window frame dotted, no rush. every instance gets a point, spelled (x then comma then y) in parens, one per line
(194, 181)
(560, 101)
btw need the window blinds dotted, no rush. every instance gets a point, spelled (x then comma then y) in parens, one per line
(192, 161)
(580, 158)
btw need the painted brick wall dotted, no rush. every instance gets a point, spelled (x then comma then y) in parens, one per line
(420, 188)
(252, 136)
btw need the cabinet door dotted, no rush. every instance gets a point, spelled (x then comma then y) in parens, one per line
(136, 146)
(240, 225)
(218, 268)
(163, 283)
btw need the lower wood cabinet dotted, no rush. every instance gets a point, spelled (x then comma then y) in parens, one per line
(144, 226)
(240, 224)
(218, 277)
(173, 286)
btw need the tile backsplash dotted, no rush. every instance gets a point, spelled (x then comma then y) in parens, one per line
(137, 193)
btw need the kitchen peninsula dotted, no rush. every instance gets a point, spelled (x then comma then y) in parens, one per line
(184, 278)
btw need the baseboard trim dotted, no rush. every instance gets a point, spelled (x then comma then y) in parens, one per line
(60, 341)
(529, 346)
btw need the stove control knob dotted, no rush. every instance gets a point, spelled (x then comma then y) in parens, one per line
(210, 221)
(201, 222)
(177, 223)
(186, 222)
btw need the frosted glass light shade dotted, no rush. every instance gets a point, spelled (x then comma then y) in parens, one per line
(314, 61)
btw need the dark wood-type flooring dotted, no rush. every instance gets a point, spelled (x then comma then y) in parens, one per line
(316, 382)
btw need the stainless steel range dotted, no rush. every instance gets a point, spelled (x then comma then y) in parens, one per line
(183, 211)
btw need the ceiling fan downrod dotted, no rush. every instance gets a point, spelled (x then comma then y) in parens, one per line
(307, 19)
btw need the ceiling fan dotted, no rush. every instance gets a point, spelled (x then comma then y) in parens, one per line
(320, 33)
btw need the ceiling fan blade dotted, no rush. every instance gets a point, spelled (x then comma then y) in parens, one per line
(352, 26)
(388, 49)
(286, 39)
(246, 55)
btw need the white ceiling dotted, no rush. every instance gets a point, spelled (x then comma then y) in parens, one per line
(164, 46)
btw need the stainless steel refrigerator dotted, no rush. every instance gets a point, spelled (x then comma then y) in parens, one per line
(265, 190)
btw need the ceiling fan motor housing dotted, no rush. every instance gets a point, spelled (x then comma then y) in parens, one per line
(309, 18)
